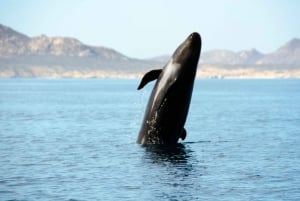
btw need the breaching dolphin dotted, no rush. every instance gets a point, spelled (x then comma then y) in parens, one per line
(170, 99)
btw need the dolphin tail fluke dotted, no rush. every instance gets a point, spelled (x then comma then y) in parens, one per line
(148, 77)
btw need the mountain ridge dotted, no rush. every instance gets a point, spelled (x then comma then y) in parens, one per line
(43, 56)
(14, 43)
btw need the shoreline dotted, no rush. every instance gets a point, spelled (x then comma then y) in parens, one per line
(203, 72)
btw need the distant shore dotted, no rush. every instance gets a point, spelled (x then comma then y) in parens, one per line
(246, 73)
(205, 71)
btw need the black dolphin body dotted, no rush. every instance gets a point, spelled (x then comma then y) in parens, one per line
(169, 102)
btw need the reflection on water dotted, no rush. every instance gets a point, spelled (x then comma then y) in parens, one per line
(172, 160)
(176, 154)
(171, 167)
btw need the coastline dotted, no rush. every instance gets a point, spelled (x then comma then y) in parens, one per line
(203, 72)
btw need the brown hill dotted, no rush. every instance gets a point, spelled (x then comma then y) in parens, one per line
(43, 56)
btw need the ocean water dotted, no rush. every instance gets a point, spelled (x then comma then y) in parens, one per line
(74, 139)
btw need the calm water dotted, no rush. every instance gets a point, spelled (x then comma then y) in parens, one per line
(75, 140)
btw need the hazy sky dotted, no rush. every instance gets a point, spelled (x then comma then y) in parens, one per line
(145, 29)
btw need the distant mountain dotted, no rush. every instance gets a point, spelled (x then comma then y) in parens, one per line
(12, 42)
(288, 54)
(23, 56)
(43, 56)
(226, 57)
(16, 44)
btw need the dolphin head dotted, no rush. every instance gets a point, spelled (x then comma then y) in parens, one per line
(186, 56)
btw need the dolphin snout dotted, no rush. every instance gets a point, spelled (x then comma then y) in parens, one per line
(195, 37)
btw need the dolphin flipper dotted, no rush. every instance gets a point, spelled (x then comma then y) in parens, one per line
(148, 77)
(183, 134)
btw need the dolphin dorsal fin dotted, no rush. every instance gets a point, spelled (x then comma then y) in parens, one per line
(148, 77)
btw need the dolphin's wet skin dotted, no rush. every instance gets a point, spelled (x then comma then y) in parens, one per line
(169, 102)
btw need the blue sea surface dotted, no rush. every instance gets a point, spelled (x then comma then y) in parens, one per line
(74, 139)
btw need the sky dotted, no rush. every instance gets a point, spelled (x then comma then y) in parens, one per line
(145, 29)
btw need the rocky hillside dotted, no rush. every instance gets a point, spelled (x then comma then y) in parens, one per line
(287, 56)
(226, 57)
(23, 56)
(14, 44)
(43, 56)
